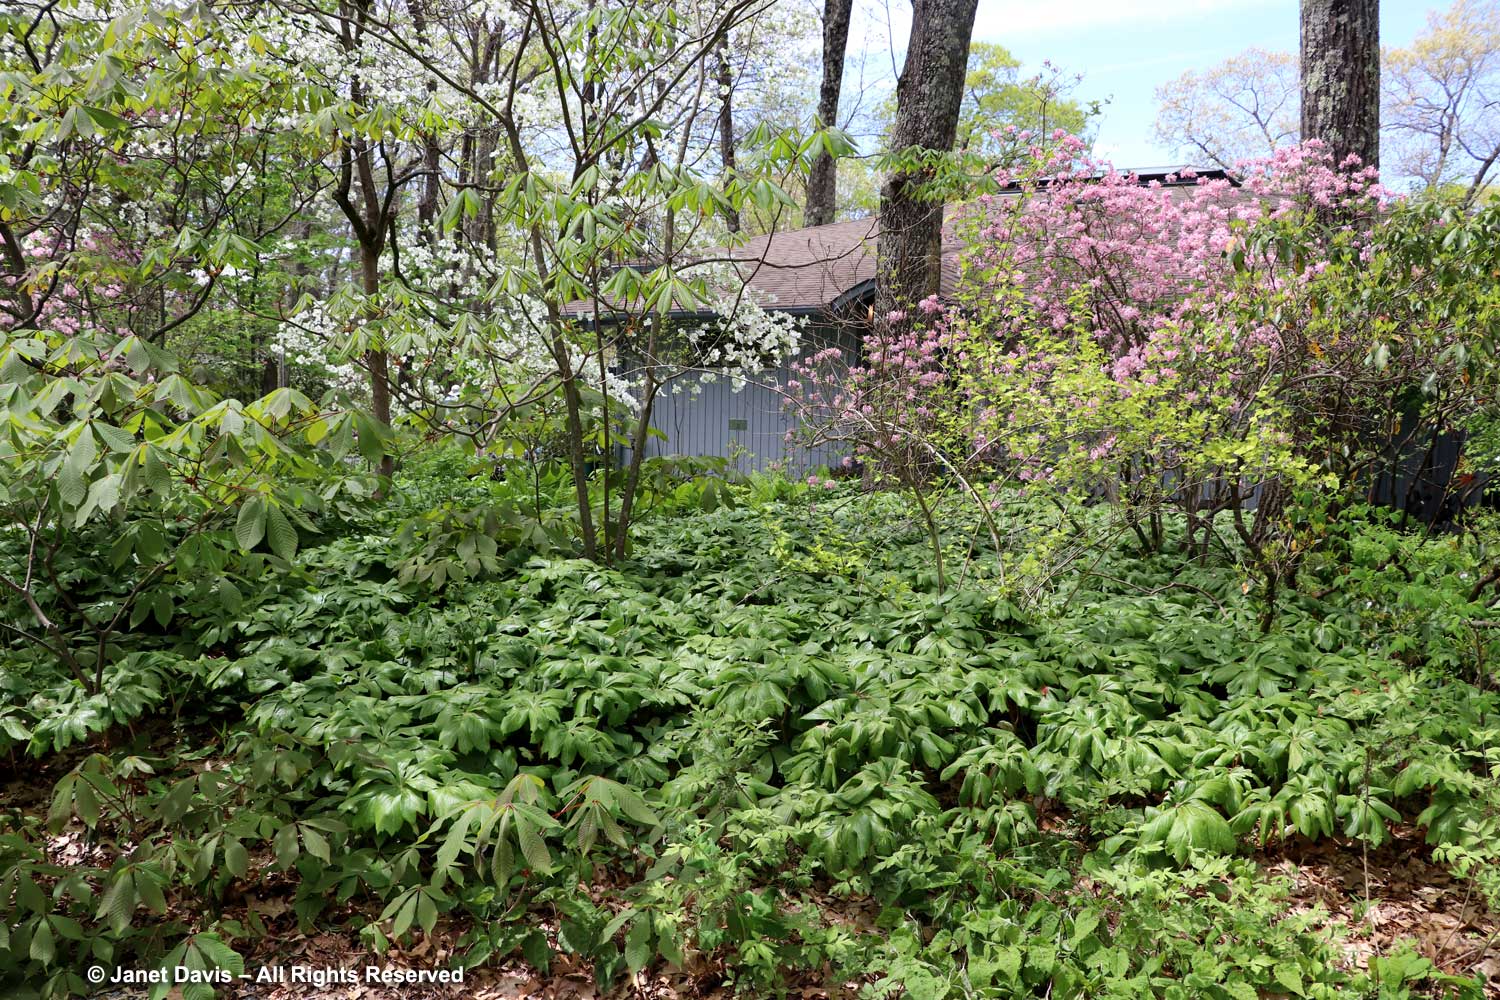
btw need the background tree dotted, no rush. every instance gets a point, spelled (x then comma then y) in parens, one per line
(1442, 99)
(1340, 41)
(928, 97)
(822, 180)
(996, 97)
(1244, 107)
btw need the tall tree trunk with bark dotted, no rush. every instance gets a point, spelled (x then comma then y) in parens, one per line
(724, 77)
(1341, 77)
(377, 362)
(822, 179)
(427, 203)
(928, 95)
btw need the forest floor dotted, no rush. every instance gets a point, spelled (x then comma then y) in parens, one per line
(766, 756)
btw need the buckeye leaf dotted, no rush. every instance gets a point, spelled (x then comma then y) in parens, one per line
(282, 535)
(250, 526)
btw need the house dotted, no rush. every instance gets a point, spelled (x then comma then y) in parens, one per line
(827, 274)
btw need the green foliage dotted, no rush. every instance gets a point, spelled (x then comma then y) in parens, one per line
(113, 456)
(741, 739)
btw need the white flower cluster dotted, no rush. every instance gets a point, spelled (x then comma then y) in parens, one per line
(314, 342)
(457, 336)
(448, 267)
(745, 340)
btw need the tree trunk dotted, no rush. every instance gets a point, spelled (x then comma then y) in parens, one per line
(822, 179)
(1341, 77)
(378, 362)
(725, 80)
(928, 95)
(637, 456)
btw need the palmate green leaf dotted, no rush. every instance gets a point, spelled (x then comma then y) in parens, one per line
(402, 912)
(157, 477)
(119, 901)
(315, 843)
(103, 496)
(1187, 829)
(206, 953)
(638, 943)
(86, 803)
(230, 598)
(115, 439)
(236, 858)
(149, 888)
(73, 476)
(106, 120)
(389, 809)
(613, 927)
(587, 825)
(63, 795)
(533, 847)
(162, 607)
(284, 846)
(457, 841)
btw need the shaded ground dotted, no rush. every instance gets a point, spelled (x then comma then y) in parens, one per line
(1409, 898)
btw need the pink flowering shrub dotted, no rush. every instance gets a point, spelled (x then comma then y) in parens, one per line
(1107, 320)
(1204, 347)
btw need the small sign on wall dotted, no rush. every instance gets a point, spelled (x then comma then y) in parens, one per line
(736, 424)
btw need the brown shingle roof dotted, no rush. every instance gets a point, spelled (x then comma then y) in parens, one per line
(822, 266)
(811, 269)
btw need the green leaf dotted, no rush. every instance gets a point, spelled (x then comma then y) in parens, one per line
(118, 902)
(427, 912)
(533, 847)
(86, 803)
(1084, 925)
(158, 478)
(250, 526)
(284, 845)
(236, 859)
(536, 951)
(406, 913)
(315, 843)
(43, 946)
(107, 120)
(161, 607)
(72, 478)
(282, 535)
(230, 598)
(149, 889)
(638, 943)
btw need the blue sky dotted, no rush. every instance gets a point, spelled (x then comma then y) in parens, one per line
(1125, 49)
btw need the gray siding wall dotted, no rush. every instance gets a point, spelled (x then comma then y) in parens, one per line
(748, 426)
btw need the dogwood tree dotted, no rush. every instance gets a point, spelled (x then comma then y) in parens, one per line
(602, 194)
